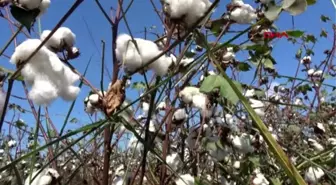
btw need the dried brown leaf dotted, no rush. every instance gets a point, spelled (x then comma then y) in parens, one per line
(115, 97)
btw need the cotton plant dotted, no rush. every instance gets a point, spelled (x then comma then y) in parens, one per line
(242, 13)
(188, 10)
(48, 76)
(192, 95)
(133, 57)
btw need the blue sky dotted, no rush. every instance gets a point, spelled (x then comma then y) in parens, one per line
(142, 15)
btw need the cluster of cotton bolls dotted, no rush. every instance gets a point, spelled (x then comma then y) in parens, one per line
(192, 96)
(189, 10)
(134, 56)
(242, 13)
(45, 72)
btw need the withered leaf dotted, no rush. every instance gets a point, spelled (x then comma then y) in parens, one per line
(115, 97)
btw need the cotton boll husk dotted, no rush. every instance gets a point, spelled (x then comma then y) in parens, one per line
(30, 4)
(43, 91)
(127, 54)
(43, 7)
(70, 93)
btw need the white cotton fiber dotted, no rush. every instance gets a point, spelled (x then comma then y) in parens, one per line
(127, 54)
(62, 38)
(191, 9)
(43, 7)
(133, 59)
(69, 93)
(46, 73)
(43, 91)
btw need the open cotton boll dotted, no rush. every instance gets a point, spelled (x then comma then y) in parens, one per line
(174, 161)
(161, 66)
(63, 37)
(185, 179)
(69, 93)
(26, 48)
(178, 8)
(127, 54)
(260, 179)
(314, 174)
(196, 11)
(180, 114)
(244, 14)
(45, 177)
(242, 143)
(187, 93)
(30, 4)
(44, 5)
(43, 91)
(200, 101)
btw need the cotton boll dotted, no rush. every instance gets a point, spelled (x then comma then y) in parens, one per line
(260, 179)
(317, 146)
(45, 177)
(94, 99)
(310, 72)
(174, 161)
(242, 143)
(89, 108)
(314, 174)
(200, 101)
(331, 141)
(145, 107)
(70, 93)
(54, 41)
(63, 37)
(69, 75)
(250, 93)
(26, 48)
(180, 114)
(43, 91)
(161, 106)
(127, 54)
(178, 8)
(185, 179)
(186, 61)
(43, 7)
(161, 66)
(11, 143)
(30, 4)
(187, 94)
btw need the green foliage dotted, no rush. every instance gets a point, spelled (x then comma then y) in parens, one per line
(218, 82)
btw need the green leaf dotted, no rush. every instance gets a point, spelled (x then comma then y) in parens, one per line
(311, 2)
(74, 120)
(211, 82)
(138, 85)
(275, 181)
(243, 66)
(298, 54)
(255, 160)
(19, 123)
(216, 81)
(273, 12)
(324, 33)
(25, 17)
(324, 18)
(296, 8)
(311, 38)
(295, 33)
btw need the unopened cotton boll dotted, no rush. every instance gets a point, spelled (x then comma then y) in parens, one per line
(314, 174)
(185, 179)
(174, 161)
